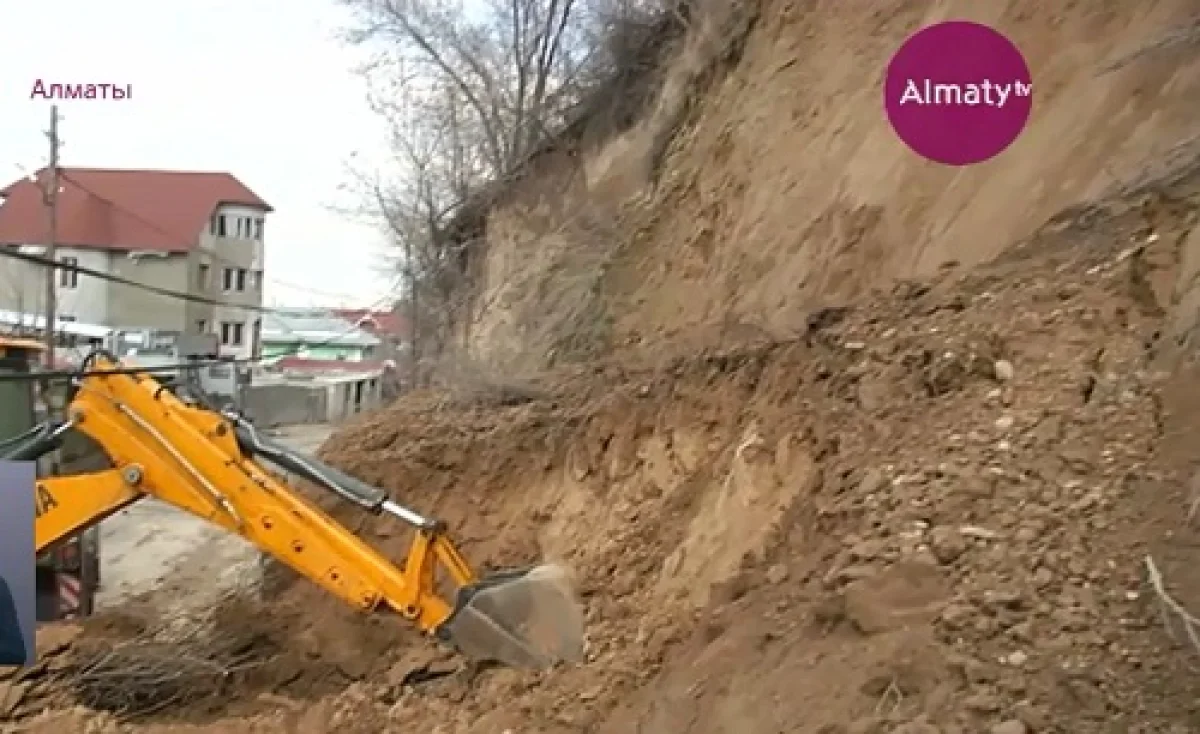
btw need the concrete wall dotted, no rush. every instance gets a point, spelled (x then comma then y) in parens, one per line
(201, 272)
(284, 404)
(323, 400)
(86, 299)
(137, 308)
(95, 301)
(347, 397)
(83, 297)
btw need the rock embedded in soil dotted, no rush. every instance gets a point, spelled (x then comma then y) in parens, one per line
(1012, 726)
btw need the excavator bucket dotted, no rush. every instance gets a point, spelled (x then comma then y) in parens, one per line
(523, 619)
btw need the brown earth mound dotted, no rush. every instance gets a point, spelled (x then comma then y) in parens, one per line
(136, 666)
(928, 514)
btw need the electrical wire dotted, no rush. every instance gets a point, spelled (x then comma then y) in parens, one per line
(64, 174)
(58, 375)
(165, 292)
(71, 374)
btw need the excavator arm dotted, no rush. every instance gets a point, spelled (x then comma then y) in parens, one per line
(208, 464)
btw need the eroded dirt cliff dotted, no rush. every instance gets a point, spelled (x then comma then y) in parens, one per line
(864, 445)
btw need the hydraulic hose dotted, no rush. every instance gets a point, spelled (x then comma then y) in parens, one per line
(253, 443)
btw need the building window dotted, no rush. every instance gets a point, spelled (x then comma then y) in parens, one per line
(221, 230)
(231, 333)
(245, 227)
(68, 278)
(255, 279)
(201, 326)
(202, 278)
(235, 279)
(256, 340)
(258, 229)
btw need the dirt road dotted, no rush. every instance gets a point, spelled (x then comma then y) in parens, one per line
(152, 545)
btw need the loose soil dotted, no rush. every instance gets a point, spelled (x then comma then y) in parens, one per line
(839, 469)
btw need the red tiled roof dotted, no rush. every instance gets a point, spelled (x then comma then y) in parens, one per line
(112, 209)
(375, 322)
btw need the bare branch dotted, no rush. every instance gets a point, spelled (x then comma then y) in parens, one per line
(470, 92)
(1177, 619)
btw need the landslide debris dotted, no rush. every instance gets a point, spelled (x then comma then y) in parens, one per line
(928, 513)
(924, 508)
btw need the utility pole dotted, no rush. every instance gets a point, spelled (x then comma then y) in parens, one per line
(50, 199)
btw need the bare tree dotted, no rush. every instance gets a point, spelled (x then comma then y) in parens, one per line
(470, 90)
(436, 165)
(509, 64)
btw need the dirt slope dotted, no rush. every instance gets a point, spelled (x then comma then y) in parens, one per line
(824, 484)
(931, 512)
(782, 188)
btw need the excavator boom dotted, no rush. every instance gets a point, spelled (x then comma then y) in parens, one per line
(207, 463)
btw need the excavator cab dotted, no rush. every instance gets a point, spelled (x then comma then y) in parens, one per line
(67, 575)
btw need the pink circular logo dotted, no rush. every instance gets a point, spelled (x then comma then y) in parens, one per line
(958, 92)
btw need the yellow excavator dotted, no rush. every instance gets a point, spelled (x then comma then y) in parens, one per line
(210, 463)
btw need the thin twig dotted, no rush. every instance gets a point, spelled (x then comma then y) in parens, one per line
(1194, 500)
(1169, 606)
(893, 695)
(166, 667)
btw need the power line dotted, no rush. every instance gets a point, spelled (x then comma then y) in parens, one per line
(142, 220)
(53, 266)
(165, 292)
(39, 260)
(60, 375)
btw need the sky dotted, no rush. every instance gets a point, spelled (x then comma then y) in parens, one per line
(220, 85)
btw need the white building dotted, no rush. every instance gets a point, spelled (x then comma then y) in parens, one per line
(193, 233)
